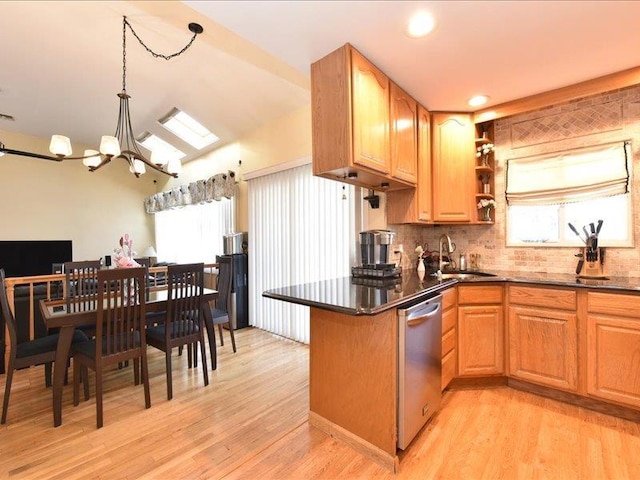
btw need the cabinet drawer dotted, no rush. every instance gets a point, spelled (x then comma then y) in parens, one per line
(448, 342)
(448, 300)
(479, 294)
(613, 304)
(543, 297)
(448, 368)
(449, 318)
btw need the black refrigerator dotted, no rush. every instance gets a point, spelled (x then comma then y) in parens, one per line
(240, 288)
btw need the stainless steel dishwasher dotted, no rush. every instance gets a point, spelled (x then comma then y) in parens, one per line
(419, 366)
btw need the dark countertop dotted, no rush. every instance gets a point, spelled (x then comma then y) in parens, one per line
(371, 296)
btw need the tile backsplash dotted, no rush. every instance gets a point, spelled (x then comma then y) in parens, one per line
(593, 120)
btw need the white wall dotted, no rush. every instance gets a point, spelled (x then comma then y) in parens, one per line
(43, 200)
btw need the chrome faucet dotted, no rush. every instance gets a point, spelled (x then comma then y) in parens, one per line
(445, 246)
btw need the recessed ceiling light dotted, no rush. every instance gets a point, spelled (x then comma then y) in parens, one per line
(420, 25)
(478, 100)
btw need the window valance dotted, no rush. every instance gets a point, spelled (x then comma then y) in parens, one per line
(572, 176)
(201, 191)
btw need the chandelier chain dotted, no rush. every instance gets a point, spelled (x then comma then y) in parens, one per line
(160, 55)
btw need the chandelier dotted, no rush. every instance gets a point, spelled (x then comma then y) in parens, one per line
(123, 144)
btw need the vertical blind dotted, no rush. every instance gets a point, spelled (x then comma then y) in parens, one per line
(194, 233)
(302, 229)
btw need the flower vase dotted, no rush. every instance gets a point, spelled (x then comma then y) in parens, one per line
(421, 268)
(486, 214)
(485, 160)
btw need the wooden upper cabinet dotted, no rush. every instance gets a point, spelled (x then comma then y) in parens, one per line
(370, 115)
(350, 108)
(416, 206)
(453, 160)
(403, 135)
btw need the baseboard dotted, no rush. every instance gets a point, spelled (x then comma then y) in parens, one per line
(390, 462)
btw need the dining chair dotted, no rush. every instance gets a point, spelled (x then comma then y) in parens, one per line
(221, 311)
(183, 324)
(120, 332)
(82, 285)
(41, 350)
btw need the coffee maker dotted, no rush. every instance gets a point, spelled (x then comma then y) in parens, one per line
(374, 254)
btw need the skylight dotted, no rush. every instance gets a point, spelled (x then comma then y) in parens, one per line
(161, 150)
(188, 129)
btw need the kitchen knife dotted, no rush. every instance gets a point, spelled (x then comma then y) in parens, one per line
(593, 228)
(573, 229)
(600, 222)
(586, 234)
(580, 263)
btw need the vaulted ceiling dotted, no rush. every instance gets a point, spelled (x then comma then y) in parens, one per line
(62, 61)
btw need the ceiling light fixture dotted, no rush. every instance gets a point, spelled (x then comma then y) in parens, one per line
(420, 25)
(478, 100)
(123, 144)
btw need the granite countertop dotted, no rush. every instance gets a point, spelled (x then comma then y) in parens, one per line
(359, 296)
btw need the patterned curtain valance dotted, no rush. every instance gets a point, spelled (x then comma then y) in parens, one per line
(201, 191)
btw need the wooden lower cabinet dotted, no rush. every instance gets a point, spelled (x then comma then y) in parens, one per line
(613, 348)
(543, 346)
(480, 330)
(480, 340)
(449, 336)
(543, 336)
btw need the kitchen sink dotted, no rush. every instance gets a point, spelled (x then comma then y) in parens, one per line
(462, 275)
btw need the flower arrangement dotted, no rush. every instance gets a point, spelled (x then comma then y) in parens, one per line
(420, 251)
(483, 151)
(124, 254)
(486, 203)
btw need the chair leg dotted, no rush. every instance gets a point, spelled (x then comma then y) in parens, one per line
(205, 372)
(145, 380)
(233, 337)
(76, 382)
(221, 337)
(136, 371)
(99, 419)
(85, 381)
(7, 390)
(189, 356)
(169, 374)
(47, 374)
(194, 346)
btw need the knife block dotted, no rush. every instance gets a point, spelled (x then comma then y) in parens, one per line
(593, 269)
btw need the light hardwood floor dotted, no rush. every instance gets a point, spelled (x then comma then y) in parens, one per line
(251, 423)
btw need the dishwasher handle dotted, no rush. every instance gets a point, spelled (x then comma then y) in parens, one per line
(427, 311)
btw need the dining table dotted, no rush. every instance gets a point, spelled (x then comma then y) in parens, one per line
(56, 316)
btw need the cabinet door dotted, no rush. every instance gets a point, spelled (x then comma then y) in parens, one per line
(543, 346)
(453, 158)
(403, 135)
(480, 340)
(613, 359)
(424, 187)
(370, 106)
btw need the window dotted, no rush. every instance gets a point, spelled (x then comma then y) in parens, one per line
(546, 193)
(194, 233)
(188, 129)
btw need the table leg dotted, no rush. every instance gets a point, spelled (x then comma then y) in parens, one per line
(211, 335)
(59, 370)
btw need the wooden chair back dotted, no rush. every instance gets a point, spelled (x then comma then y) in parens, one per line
(7, 314)
(120, 318)
(82, 285)
(184, 318)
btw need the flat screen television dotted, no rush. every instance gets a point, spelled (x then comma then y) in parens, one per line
(21, 258)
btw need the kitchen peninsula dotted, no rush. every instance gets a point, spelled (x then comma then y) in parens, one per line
(590, 326)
